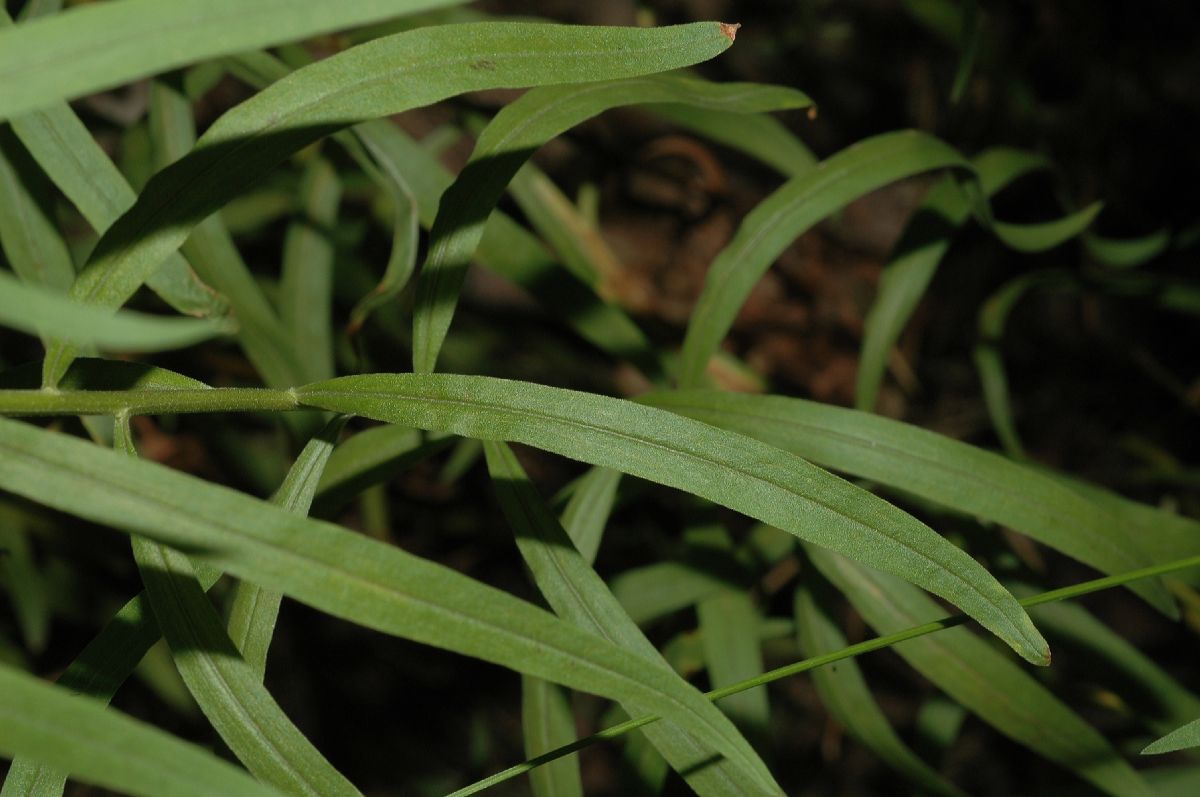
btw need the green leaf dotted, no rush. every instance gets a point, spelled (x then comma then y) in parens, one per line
(788, 213)
(588, 509)
(1181, 738)
(1046, 235)
(306, 284)
(334, 570)
(39, 311)
(845, 693)
(578, 595)
(1120, 253)
(662, 588)
(20, 578)
(982, 679)
(372, 457)
(548, 724)
(756, 479)
(211, 250)
(758, 135)
(508, 141)
(254, 610)
(97, 745)
(31, 241)
(729, 635)
(905, 457)
(380, 78)
(924, 243)
(86, 49)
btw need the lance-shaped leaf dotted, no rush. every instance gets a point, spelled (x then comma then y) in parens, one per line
(848, 698)
(932, 466)
(380, 78)
(337, 571)
(982, 679)
(40, 311)
(1179, 739)
(99, 46)
(504, 146)
(104, 747)
(579, 595)
(788, 213)
(736, 471)
(548, 724)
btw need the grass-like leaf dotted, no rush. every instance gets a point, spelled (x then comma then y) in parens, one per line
(104, 747)
(789, 212)
(846, 695)
(924, 463)
(40, 311)
(89, 48)
(1179, 739)
(548, 723)
(588, 509)
(380, 78)
(336, 571)
(31, 242)
(758, 135)
(579, 595)
(982, 679)
(762, 481)
(508, 141)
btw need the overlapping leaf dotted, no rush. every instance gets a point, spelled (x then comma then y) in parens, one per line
(380, 78)
(751, 477)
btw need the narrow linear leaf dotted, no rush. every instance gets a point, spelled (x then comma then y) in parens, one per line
(306, 284)
(372, 457)
(1039, 237)
(982, 679)
(380, 78)
(578, 595)
(30, 240)
(211, 249)
(729, 634)
(588, 509)
(662, 588)
(924, 243)
(548, 723)
(1179, 739)
(785, 215)
(27, 589)
(504, 146)
(758, 135)
(1119, 253)
(846, 695)
(333, 570)
(107, 748)
(253, 610)
(951, 473)
(743, 474)
(39, 311)
(86, 48)
(66, 151)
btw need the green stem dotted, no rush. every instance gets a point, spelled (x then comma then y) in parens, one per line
(144, 402)
(1065, 593)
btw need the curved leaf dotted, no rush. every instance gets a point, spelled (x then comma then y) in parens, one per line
(99, 46)
(95, 744)
(380, 78)
(336, 571)
(508, 141)
(579, 595)
(40, 311)
(845, 693)
(751, 477)
(982, 679)
(932, 466)
(785, 215)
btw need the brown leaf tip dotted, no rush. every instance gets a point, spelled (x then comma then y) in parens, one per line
(730, 30)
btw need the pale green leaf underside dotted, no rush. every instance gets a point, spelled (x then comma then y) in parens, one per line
(101, 45)
(380, 78)
(935, 467)
(751, 477)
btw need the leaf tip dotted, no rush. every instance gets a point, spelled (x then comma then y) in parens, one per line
(730, 30)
